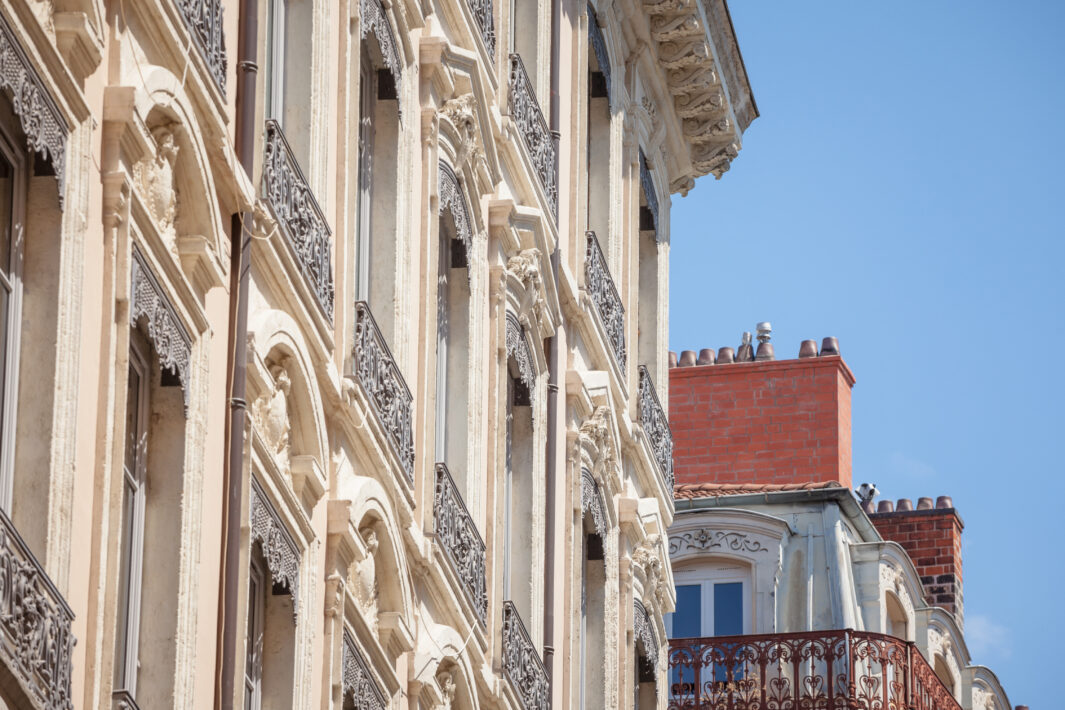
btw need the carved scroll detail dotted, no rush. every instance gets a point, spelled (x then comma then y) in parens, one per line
(169, 337)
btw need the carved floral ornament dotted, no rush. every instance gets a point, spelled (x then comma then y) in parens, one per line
(592, 502)
(644, 631)
(375, 21)
(358, 684)
(279, 549)
(705, 539)
(46, 130)
(171, 341)
(453, 202)
(518, 349)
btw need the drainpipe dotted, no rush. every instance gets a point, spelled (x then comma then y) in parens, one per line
(240, 267)
(553, 347)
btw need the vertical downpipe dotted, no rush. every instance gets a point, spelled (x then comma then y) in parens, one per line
(553, 346)
(240, 267)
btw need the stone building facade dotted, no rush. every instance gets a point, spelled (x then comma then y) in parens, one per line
(790, 591)
(333, 346)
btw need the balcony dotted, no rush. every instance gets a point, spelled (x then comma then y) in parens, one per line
(656, 427)
(526, 114)
(483, 15)
(298, 216)
(521, 663)
(605, 296)
(457, 535)
(383, 384)
(36, 642)
(844, 670)
(204, 21)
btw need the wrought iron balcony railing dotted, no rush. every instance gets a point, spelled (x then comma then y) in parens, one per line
(522, 664)
(848, 670)
(204, 20)
(605, 297)
(298, 215)
(381, 381)
(36, 642)
(656, 427)
(482, 13)
(458, 536)
(535, 133)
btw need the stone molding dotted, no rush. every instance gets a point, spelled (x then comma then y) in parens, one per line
(374, 20)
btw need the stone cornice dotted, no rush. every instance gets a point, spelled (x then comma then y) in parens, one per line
(696, 49)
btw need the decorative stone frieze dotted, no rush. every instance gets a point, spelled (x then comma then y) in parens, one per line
(374, 20)
(171, 341)
(298, 215)
(204, 20)
(36, 642)
(518, 348)
(605, 296)
(358, 684)
(592, 502)
(461, 112)
(522, 664)
(529, 118)
(383, 384)
(656, 427)
(484, 16)
(45, 129)
(452, 202)
(457, 534)
(710, 539)
(694, 48)
(279, 549)
(643, 630)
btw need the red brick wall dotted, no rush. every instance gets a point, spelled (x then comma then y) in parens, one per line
(783, 421)
(933, 540)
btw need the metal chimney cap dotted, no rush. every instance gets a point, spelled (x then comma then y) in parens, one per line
(746, 339)
(765, 329)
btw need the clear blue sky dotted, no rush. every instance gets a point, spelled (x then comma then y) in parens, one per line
(903, 191)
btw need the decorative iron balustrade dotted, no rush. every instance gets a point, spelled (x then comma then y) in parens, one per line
(383, 383)
(522, 664)
(649, 193)
(605, 297)
(36, 642)
(457, 534)
(656, 427)
(844, 670)
(298, 215)
(204, 21)
(525, 110)
(482, 14)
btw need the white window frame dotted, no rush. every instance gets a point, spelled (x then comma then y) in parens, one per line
(367, 139)
(11, 281)
(705, 577)
(276, 18)
(253, 655)
(134, 478)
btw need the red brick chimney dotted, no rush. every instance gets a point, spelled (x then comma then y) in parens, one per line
(762, 422)
(932, 538)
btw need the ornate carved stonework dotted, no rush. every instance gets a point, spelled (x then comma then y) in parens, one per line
(522, 664)
(644, 631)
(592, 502)
(204, 20)
(525, 265)
(154, 177)
(457, 534)
(461, 112)
(358, 684)
(709, 539)
(518, 348)
(598, 45)
(535, 134)
(375, 20)
(270, 413)
(452, 201)
(46, 130)
(280, 551)
(298, 215)
(366, 586)
(36, 642)
(169, 337)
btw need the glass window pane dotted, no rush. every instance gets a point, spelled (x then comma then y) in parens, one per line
(7, 186)
(728, 608)
(688, 618)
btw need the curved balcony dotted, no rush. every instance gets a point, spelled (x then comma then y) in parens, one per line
(830, 670)
(605, 296)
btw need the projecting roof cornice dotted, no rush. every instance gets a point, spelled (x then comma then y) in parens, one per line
(697, 51)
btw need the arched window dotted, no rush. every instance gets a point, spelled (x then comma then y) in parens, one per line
(453, 331)
(377, 176)
(898, 623)
(645, 679)
(944, 674)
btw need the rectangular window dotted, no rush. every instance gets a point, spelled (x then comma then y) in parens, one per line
(12, 194)
(253, 657)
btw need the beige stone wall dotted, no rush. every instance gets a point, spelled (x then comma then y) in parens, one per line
(345, 518)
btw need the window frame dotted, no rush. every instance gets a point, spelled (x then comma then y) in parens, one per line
(11, 280)
(706, 578)
(253, 652)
